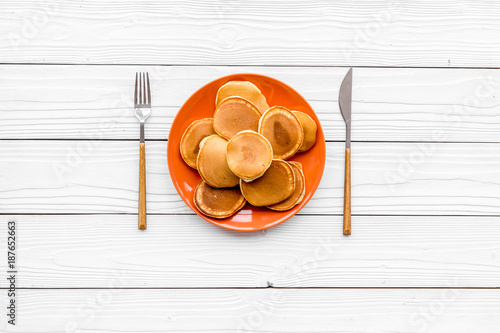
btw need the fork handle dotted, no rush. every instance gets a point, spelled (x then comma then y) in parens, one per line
(142, 186)
(347, 192)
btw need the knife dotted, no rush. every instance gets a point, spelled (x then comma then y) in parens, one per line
(345, 97)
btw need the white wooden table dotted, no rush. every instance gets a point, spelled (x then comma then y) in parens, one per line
(424, 255)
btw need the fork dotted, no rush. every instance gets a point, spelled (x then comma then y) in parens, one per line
(142, 106)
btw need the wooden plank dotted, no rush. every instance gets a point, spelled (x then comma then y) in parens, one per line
(91, 102)
(387, 178)
(341, 33)
(267, 310)
(184, 251)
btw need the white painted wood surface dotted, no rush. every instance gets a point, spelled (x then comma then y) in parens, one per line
(387, 178)
(397, 104)
(184, 251)
(264, 310)
(445, 33)
(426, 168)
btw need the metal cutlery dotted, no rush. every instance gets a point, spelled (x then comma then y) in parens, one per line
(142, 106)
(345, 98)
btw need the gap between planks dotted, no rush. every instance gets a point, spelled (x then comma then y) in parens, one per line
(298, 214)
(252, 288)
(236, 65)
(329, 141)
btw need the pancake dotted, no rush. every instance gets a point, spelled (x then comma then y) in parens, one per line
(297, 164)
(216, 202)
(283, 130)
(276, 185)
(310, 128)
(235, 114)
(244, 89)
(212, 163)
(298, 193)
(190, 141)
(249, 154)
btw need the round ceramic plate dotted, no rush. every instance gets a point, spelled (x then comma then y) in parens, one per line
(202, 105)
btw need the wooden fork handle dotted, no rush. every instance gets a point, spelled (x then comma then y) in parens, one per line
(347, 192)
(142, 186)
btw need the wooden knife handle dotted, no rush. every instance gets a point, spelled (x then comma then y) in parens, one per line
(142, 187)
(347, 192)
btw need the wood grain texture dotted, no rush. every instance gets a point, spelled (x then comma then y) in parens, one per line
(185, 251)
(347, 193)
(95, 102)
(185, 44)
(387, 178)
(142, 186)
(268, 310)
(340, 33)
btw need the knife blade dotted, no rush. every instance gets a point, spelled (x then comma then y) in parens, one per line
(345, 99)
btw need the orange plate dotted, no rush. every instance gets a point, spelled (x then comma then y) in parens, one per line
(202, 105)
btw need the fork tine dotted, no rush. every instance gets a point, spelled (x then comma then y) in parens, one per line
(143, 88)
(149, 90)
(142, 93)
(136, 87)
(140, 88)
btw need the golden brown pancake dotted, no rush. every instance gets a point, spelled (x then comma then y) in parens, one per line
(283, 130)
(310, 128)
(216, 202)
(235, 114)
(190, 141)
(244, 89)
(212, 163)
(297, 164)
(276, 185)
(249, 154)
(298, 193)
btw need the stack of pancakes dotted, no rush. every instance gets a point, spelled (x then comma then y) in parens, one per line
(242, 153)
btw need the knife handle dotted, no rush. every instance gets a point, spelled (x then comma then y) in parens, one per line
(142, 186)
(347, 192)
